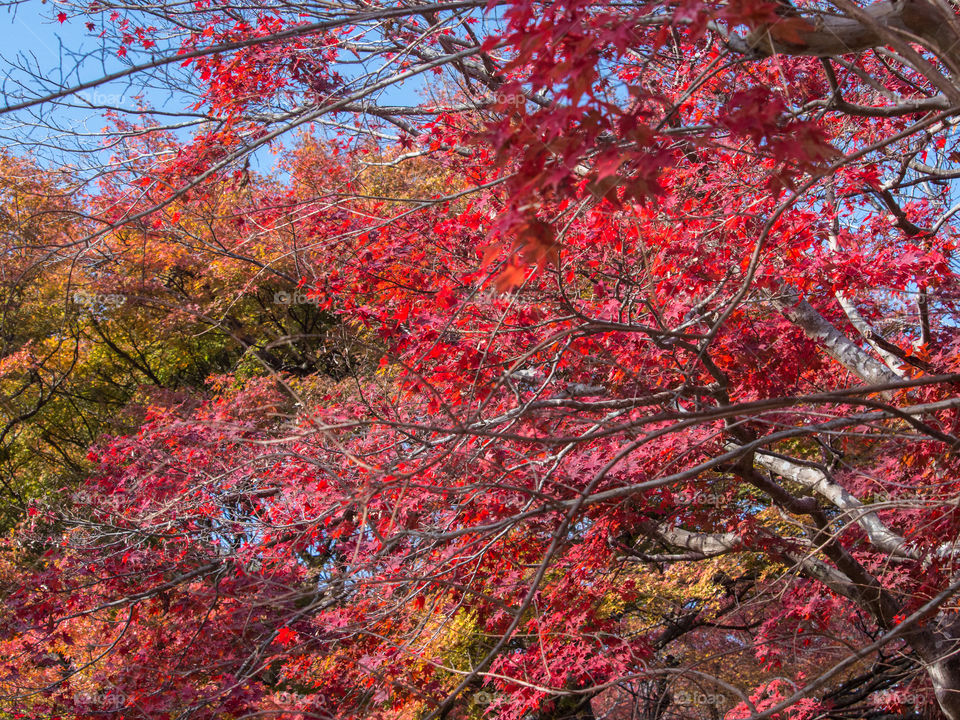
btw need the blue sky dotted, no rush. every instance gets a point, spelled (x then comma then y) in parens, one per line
(41, 55)
(32, 30)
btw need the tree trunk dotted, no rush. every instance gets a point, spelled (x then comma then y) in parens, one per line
(939, 649)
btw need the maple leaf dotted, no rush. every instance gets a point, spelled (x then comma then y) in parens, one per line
(513, 276)
(286, 637)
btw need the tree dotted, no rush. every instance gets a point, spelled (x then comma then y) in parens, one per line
(667, 375)
(146, 313)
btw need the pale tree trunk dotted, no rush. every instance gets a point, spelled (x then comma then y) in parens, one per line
(945, 676)
(939, 649)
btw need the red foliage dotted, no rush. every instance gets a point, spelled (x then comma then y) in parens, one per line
(650, 285)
